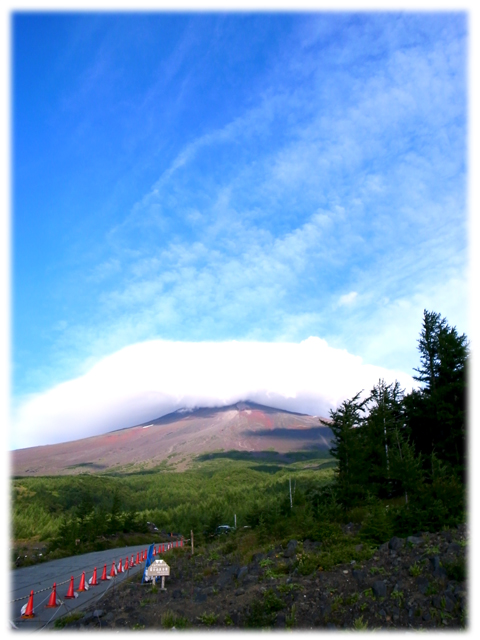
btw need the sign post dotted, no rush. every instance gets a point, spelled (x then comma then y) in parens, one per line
(158, 569)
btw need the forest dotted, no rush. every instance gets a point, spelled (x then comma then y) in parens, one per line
(397, 465)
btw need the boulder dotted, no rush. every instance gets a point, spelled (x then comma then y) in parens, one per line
(242, 572)
(359, 574)
(379, 589)
(396, 543)
(290, 550)
(422, 584)
(454, 547)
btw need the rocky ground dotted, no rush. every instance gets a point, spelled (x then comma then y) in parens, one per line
(417, 583)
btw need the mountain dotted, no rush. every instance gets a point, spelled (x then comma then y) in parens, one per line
(176, 437)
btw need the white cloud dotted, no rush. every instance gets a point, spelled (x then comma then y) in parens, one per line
(348, 298)
(150, 379)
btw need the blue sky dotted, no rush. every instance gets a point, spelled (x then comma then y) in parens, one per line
(263, 178)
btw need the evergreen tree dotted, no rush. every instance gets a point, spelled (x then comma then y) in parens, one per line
(114, 521)
(345, 425)
(383, 423)
(436, 413)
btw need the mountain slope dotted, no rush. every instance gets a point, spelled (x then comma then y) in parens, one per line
(245, 426)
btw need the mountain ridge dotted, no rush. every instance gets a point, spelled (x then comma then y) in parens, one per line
(182, 434)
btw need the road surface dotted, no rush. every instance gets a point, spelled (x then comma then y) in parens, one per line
(41, 577)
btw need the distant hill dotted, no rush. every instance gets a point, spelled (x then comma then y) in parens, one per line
(177, 437)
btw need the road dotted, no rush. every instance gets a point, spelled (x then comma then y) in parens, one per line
(41, 577)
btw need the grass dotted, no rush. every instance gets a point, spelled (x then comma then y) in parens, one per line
(208, 619)
(359, 624)
(60, 623)
(291, 619)
(170, 619)
(415, 570)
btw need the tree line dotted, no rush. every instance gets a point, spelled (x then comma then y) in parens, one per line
(393, 444)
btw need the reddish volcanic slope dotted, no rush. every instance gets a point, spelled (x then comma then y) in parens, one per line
(245, 426)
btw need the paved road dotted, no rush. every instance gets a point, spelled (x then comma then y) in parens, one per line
(40, 579)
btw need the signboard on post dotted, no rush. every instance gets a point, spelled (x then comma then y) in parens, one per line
(157, 569)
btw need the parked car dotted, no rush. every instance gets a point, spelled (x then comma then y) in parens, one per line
(224, 528)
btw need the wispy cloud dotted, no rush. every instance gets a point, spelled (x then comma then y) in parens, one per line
(348, 298)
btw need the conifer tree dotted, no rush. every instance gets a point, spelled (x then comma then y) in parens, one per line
(436, 413)
(384, 421)
(345, 425)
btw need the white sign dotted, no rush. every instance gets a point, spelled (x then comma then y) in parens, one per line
(158, 568)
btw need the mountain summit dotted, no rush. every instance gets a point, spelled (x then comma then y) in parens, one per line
(244, 426)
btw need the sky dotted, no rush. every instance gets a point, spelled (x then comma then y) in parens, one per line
(216, 206)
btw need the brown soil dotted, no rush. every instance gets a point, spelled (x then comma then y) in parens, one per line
(385, 592)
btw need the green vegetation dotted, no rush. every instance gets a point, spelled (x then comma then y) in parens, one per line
(170, 619)
(76, 514)
(264, 612)
(208, 619)
(415, 570)
(456, 569)
(359, 624)
(391, 444)
(60, 623)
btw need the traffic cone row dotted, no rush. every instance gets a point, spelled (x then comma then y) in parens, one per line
(28, 611)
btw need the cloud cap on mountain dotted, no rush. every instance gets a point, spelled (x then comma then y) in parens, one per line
(150, 379)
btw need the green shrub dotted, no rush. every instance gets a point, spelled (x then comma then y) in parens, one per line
(263, 612)
(377, 526)
(208, 619)
(170, 619)
(456, 570)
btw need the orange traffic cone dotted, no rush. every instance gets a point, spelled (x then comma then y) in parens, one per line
(93, 580)
(119, 568)
(126, 564)
(113, 570)
(83, 586)
(104, 574)
(154, 551)
(53, 602)
(132, 561)
(27, 609)
(71, 593)
(137, 561)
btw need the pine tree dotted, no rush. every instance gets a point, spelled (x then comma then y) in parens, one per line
(345, 425)
(437, 412)
(384, 421)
